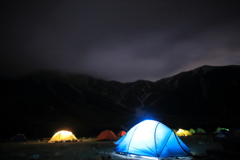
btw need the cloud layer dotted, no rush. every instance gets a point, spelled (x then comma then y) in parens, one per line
(118, 40)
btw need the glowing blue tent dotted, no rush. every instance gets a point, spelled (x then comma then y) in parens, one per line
(151, 138)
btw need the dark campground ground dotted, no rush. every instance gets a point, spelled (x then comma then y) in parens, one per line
(204, 147)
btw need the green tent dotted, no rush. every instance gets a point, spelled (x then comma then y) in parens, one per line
(192, 130)
(200, 130)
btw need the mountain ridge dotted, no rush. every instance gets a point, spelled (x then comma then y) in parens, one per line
(41, 104)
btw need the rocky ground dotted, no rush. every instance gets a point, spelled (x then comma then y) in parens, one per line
(202, 147)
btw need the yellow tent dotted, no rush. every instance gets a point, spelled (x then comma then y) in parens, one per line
(182, 132)
(62, 136)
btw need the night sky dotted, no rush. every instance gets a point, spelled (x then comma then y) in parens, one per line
(122, 40)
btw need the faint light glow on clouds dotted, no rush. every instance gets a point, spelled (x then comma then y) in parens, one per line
(151, 55)
(118, 40)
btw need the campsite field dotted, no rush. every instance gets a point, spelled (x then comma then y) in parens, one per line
(94, 150)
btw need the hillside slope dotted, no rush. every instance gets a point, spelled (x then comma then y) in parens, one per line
(42, 103)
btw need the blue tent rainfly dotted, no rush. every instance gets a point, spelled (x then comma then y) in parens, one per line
(153, 139)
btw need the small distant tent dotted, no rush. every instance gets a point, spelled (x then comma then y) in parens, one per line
(62, 136)
(183, 132)
(200, 130)
(121, 133)
(153, 139)
(19, 138)
(219, 129)
(192, 130)
(107, 135)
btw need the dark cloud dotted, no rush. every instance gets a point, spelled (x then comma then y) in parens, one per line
(118, 40)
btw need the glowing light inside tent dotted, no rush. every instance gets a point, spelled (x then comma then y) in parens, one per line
(149, 157)
(63, 135)
(225, 129)
(150, 138)
(182, 132)
(221, 129)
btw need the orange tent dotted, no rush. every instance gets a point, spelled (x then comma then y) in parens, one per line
(121, 133)
(107, 135)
